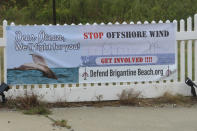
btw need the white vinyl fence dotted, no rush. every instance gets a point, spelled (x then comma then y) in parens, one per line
(186, 59)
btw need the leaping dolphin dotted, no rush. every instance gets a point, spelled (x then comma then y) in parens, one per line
(39, 64)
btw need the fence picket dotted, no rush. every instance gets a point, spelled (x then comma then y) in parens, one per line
(167, 21)
(109, 23)
(153, 22)
(189, 49)
(117, 23)
(176, 52)
(12, 24)
(95, 23)
(139, 22)
(146, 22)
(1, 57)
(4, 25)
(4, 52)
(195, 46)
(182, 53)
(102, 23)
(160, 21)
(195, 60)
(131, 22)
(124, 23)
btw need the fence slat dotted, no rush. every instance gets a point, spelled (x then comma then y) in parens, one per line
(160, 21)
(117, 23)
(131, 22)
(182, 53)
(153, 22)
(176, 53)
(124, 23)
(195, 60)
(139, 22)
(4, 52)
(195, 29)
(1, 59)
(146, 22)
(189, 49)
(102, 23)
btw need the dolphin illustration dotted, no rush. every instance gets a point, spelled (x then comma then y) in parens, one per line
(39, 64)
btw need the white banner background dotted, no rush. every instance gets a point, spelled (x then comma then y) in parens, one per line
(67, 47)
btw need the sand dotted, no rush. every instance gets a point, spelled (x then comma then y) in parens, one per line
(105, 119)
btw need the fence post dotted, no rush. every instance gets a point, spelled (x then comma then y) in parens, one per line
(4, 52)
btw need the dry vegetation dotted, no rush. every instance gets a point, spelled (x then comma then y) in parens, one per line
(131, 98)
(174, 99)
(29, 104)
(60, 123)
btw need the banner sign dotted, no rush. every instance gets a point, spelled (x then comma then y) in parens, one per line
(62, 54)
